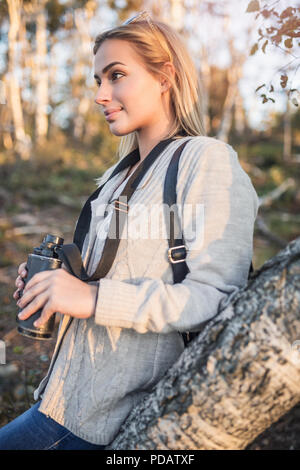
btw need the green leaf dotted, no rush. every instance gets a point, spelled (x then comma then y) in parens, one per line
(253, 6)
(18, 350)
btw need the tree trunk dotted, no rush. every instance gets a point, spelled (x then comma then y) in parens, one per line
(234, 74)
(177, 14)
(6, 127)
(41, 76)
(240, 120)
(81, 20)
(287, 132)
(205, 77)
(23, 141)
(240, 375)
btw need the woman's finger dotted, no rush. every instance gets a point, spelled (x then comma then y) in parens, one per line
(19, 282)
(47, 312)
(40, 277)
(22, 271)
(38, 302)
(16, 294)
(30, 294)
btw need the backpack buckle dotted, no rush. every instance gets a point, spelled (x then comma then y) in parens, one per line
(175, 254)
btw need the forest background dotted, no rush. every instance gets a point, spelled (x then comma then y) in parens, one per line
(54, 141)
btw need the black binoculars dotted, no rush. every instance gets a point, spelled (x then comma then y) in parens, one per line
(43, 258)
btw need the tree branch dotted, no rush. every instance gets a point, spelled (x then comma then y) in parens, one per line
(267, 199)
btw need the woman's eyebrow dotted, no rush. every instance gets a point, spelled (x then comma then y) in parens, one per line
(107, 67)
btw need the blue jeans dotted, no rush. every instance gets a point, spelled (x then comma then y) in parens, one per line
(32, 430)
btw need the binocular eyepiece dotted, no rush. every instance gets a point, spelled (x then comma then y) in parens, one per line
(43, 258)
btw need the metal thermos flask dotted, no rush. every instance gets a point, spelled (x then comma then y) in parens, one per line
(43, 258)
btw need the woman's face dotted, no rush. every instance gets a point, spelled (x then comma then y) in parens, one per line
(128, 87)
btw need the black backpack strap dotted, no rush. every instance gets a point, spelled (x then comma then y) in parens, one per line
(71, 254)
(177, 250)
(84, 220)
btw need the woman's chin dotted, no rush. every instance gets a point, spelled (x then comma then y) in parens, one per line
(119, 131)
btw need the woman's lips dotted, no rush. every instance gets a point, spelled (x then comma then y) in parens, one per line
(112, 114)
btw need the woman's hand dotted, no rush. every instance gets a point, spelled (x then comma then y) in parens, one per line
(57, 291)
(22, 271)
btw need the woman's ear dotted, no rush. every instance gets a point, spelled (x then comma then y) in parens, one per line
(169, 70)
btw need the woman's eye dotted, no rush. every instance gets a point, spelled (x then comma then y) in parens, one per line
(116, 73)
(112, 76)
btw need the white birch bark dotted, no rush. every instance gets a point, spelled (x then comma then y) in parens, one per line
(83, 53)
(234, 74)
(22, 141)
(239, 114)
(41, 76)
(240, 375)
(287, 131)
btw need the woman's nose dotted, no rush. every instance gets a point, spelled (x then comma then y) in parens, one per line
(103, 95)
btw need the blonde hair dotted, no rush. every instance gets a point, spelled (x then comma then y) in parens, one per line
(155, 48)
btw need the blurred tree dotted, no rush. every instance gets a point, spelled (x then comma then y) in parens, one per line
(83, 54)
(30, 25)
(125, 9)
(23, 140)
(44, 24)
(287, 132)
(41, 74)
(234, 74)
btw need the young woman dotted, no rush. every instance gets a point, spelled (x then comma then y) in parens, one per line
(121, 333)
